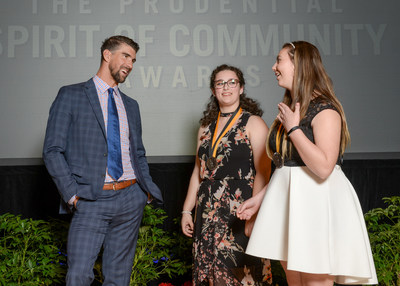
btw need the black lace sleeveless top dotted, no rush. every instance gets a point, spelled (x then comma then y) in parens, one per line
(316, 106)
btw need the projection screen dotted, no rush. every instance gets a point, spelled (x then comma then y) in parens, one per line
(45, 44)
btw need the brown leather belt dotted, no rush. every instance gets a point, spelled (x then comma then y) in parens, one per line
(118, 185)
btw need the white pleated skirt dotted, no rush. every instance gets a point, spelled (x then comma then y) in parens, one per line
(316, 225)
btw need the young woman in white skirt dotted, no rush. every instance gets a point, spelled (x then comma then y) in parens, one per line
(309, 216)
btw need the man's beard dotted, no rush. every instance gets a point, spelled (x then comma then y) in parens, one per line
(117, 76)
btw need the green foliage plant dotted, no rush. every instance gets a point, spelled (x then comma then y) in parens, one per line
(30, 252)
(383, 227)
(159, 252)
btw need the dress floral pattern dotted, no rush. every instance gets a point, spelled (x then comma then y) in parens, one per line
(219, 239)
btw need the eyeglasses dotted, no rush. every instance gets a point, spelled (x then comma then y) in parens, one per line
(232, 83)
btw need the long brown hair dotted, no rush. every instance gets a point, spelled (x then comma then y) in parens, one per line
(310, 80)
(212, 109)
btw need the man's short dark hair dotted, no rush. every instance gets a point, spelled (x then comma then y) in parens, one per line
(114, 42)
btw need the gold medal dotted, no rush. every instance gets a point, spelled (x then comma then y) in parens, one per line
(212, 163)
(278, 160)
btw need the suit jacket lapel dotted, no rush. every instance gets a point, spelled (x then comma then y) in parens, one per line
(91, 92)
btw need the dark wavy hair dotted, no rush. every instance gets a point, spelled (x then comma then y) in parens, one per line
(212, 109)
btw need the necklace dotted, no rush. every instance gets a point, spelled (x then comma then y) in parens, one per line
(212, 162)
(227, 114)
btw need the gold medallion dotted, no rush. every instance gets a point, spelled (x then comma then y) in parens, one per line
(278, 160)
(212, 163)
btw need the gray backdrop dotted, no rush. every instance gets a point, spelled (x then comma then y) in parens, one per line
(45, 44)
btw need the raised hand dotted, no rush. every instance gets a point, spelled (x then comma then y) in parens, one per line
(288, 117)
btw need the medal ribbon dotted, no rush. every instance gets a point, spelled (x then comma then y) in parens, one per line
(228, 125)
(278, 138)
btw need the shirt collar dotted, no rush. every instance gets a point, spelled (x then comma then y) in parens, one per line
(102, 86)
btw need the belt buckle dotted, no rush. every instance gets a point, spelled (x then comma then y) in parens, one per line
(114, 185)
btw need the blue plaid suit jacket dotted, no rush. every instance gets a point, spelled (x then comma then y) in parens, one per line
(75, 145)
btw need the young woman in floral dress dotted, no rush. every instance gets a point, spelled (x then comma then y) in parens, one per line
(231, 166)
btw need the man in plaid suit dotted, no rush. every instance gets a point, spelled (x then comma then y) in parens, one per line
(107, 209)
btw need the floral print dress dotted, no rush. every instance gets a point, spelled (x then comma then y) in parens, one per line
(219, 239)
